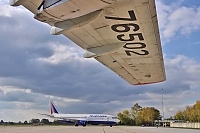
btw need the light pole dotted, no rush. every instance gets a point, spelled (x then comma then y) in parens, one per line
(162, 106)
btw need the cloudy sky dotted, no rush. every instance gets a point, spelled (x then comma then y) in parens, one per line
(36, 66)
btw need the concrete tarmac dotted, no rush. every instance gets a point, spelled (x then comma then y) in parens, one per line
(92, 129)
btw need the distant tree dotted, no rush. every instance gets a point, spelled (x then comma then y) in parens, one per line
(45, 121)
(138, 115)
(196, 111)
(135, 113)
(25, 122)
(148, 115)
(11, 123)
(127, 114)
(2, 122)
(179, 115)
(191, 113)
(125, 117)
(121, 118)
(35, 121)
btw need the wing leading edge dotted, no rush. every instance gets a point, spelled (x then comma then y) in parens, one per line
(123, 35)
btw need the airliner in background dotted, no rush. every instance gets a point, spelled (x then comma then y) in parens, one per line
(82, 119)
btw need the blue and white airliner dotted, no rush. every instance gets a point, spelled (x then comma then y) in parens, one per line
(82, 119)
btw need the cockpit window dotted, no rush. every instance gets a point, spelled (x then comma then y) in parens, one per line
(114, 118)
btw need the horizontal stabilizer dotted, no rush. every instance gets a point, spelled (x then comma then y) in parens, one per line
(45, 115)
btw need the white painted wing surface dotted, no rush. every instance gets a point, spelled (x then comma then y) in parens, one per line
(139, 60)
(121, 34)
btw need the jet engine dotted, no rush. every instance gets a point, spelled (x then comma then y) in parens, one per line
(83, 123)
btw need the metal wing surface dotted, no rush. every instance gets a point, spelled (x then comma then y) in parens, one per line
(123, 35)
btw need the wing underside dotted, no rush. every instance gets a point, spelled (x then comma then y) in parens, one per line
(123, 36)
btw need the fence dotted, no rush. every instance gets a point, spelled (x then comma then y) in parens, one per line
(185, 125)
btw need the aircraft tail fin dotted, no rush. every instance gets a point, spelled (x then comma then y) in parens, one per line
(53, 109)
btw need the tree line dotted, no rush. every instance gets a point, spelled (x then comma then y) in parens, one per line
(139, 116)
(190, 114)
(33, 121)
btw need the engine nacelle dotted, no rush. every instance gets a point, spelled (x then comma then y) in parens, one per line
(83, 123)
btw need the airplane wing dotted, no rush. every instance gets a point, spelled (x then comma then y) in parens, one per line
(123, 35)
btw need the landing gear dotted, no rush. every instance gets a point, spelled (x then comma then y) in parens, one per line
(76, 125)
(84, 125)
(110, 125)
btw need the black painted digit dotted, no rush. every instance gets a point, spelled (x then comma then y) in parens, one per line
(131, 14)
(128, 52)
(131, 37)
(126, 27)
(137, 45)
(140, 36)
(129, 47)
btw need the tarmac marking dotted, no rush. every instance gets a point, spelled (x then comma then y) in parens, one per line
(103, 130)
